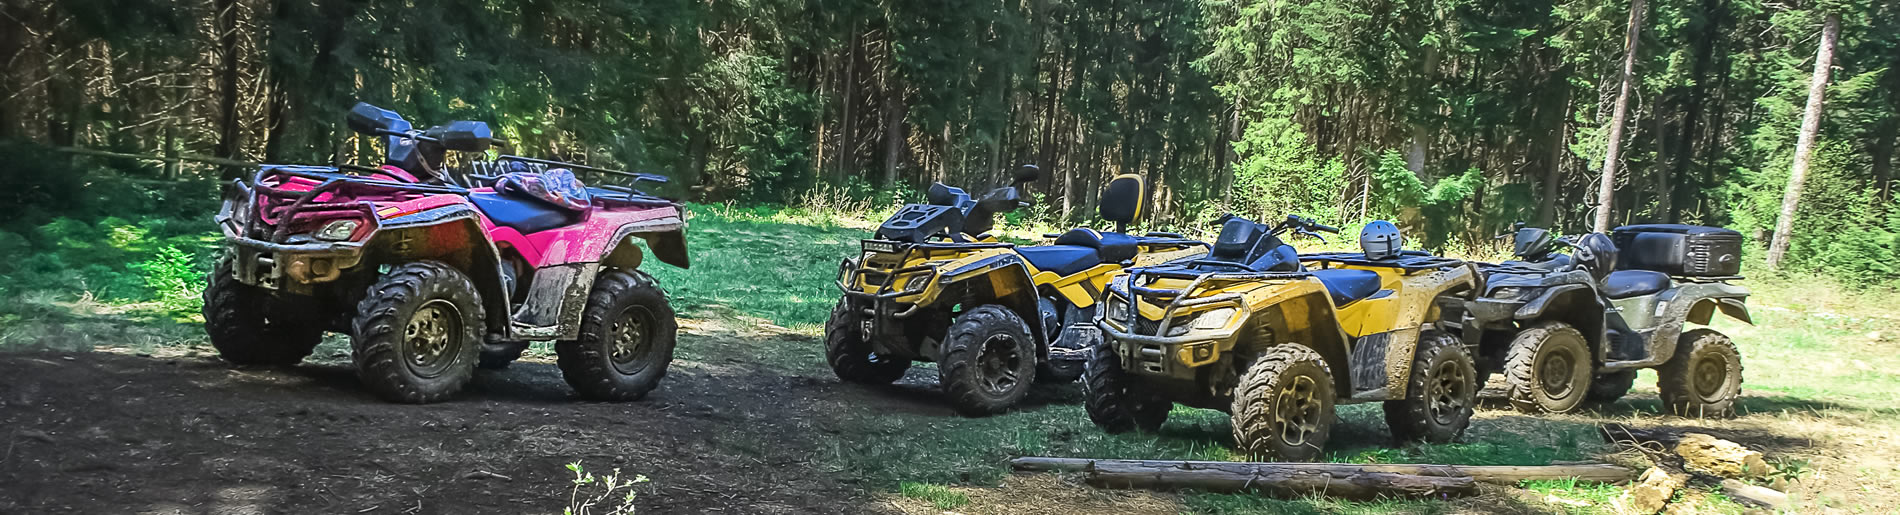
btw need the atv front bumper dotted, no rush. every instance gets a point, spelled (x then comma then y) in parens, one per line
(291, 267)
(1176, 357)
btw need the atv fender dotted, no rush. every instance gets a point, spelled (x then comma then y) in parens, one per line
(1306, 318)
(666, 237)
(1005, 279)
(1708, 298)
(452, 235)
(1574, 304)
(1704, 311)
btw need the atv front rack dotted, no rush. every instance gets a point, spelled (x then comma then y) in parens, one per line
(280, 207)
(1178, 299)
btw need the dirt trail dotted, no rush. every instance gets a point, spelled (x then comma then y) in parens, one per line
(118, 433)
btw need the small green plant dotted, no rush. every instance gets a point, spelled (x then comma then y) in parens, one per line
(608, 492)
(1787, 469)
(937, 495)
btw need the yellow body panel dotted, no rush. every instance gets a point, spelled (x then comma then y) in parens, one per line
(952, 265)
(1402, 307)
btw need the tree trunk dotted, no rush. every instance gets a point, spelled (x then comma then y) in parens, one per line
(13, 68)
(1804, 147)
(893, 133)
(1503, 475)
(847, 140)
(1664, 179)
(1883, 157)
(1554, 174)
(1606, 193)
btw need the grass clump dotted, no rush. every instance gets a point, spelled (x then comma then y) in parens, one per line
(939, 496)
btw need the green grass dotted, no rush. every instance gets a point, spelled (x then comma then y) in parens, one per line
(937, 495)
(779, 265)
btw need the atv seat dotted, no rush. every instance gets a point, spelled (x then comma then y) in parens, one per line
(1623, 284)
(1347, 285)
(1114, 247)
(523, 214)
(1061, 259)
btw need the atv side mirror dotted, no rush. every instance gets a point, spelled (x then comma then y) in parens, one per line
(372, 120)
(1027, 174)
(1002, 200)
(464, 136)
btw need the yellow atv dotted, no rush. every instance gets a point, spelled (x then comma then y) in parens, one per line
(1276, 339)
(995, 317)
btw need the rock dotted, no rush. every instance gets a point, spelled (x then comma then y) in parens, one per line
(1717, 457)
(1651, 492)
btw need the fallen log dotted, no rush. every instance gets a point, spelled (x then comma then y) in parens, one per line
(1499, 474)
(1277, 481)
(1758, 495)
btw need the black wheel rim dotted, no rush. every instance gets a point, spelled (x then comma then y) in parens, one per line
(432, 338)
(1556, 373)
(630, 340)
(1708, 376)
(999, 365)
(1298, 410)
(1450, 393)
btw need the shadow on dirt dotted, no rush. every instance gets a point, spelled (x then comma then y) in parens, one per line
(104, 433)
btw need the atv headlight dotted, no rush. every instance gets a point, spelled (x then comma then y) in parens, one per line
(1214, 318)
(1508, 292)
(338, 230)
(1116, 309)
(1206, 320)
(917, 282)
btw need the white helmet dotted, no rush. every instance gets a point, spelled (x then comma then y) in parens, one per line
(1380, 240)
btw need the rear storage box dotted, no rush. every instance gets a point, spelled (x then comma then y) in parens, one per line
(1679, 250)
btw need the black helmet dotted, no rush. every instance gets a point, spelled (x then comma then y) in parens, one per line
(1596, 253)
(1380, 239)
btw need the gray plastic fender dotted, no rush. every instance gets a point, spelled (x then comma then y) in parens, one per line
(1535, 308)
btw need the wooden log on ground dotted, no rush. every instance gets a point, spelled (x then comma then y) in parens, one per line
(1758, 495)
(1277, 481)
(1499, 474)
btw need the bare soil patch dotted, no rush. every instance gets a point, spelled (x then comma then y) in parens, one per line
(120, 433)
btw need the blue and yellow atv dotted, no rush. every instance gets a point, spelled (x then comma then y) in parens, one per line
(994, 316)
(1276, 339)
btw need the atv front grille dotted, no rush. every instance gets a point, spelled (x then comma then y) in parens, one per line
(1150, 357)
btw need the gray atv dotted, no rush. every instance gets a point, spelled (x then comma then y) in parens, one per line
(1570, 329)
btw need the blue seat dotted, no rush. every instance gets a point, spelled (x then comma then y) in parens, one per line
(1623, 284)
(1061, 259)
(1113, 246)
(525, 215)
(1348, 286)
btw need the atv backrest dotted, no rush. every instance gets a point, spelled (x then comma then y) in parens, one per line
(1121, 200)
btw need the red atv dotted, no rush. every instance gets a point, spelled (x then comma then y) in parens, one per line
(432, 271)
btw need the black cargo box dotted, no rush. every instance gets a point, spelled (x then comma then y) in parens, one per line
(1679, 250)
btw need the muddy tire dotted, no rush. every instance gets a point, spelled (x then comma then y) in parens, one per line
(1283, 408)
(1547, 369)
(850, 356)
(1703, 378)
(249, 326)
(418, 333)
(1114, 401)
(989, 361)
(1441, 394)
(626, 339)
(1609, 387)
